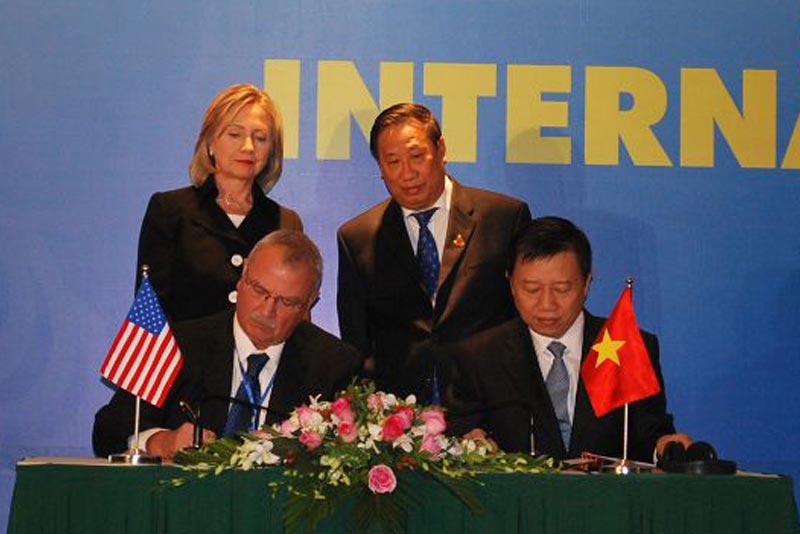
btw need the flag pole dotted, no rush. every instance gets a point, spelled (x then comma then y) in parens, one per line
(618, 371)
(139, 403)
(625, 436)
(136, 456)
(624, 466)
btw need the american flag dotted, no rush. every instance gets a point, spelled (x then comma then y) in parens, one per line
(144, 358)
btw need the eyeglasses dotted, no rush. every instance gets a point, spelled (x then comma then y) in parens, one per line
(292, 303)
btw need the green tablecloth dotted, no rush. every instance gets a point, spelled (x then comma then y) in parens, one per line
(88, 499)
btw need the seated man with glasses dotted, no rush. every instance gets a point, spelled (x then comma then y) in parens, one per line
(247, 367)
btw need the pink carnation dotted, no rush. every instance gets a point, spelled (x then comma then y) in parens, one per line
(393, 427)
(306, 415)
(381, 479)
(348, 431)
(341, 408)
(434, 421)
(431, 445)
(289, 426)
(407, 414)
(310, 439)
(374, 403)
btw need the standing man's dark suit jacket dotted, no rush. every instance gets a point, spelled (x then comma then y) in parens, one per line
(383, 308)
(498, 386)
(195, 252)
(313, 362)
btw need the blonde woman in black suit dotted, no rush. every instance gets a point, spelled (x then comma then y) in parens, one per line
(195, 239)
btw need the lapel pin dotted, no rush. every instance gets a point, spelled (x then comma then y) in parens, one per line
(459, 241)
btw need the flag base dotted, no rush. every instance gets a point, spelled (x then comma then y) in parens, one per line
(134, 458)
(626, 467)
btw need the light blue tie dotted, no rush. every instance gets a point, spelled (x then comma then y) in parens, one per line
(243, 415)
(558, 387)
(427, 254)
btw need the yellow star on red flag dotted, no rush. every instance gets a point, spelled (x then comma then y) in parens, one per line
(607, 349)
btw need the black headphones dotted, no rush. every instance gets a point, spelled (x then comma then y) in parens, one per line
(699, 458)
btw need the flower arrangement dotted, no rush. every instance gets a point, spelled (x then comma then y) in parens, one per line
(365, 443)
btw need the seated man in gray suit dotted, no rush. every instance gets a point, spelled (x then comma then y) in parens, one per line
(501, 375)
(265, 348)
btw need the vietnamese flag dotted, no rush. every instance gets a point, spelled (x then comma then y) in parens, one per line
(617, 370)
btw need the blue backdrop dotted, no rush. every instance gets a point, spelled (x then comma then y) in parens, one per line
(667, 132)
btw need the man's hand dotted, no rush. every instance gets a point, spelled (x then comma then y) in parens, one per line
(479, 435)
(166, 442)
(661, 444)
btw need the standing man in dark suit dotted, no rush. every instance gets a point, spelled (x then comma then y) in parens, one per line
(426, 264)
(265, 354)
(503, 383)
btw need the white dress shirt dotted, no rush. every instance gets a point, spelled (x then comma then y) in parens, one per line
(573, 341)
(438, 223)
(242, 349)
(235, 219)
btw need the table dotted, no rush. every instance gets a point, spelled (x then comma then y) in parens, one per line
(83, 499)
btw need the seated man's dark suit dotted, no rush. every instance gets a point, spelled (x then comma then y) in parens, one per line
(383, 307)
(313, 362)
(498, 386)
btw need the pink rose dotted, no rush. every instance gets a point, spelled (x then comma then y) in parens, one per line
(289, 426)
(434, 421)
(348, 431)
(431, 445)
(341, 408)
(407, 414)
(381, 479)
(374, 403)
(393, 427)
(306, 415)
(310, 439)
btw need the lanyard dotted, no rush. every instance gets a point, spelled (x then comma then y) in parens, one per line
(255, 399)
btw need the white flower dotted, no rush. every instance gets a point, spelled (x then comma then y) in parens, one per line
(375, 431)
(404, 442)
(477, 447)
(418, 431)
(389, 400)
(255, 452)
(455, 449)
(369, 444)
(330, 461)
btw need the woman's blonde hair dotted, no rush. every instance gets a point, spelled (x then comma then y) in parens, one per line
(220, 112)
